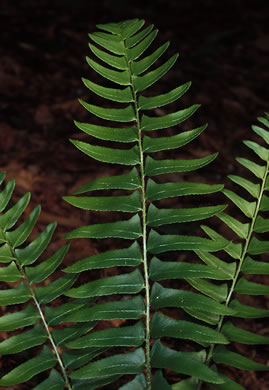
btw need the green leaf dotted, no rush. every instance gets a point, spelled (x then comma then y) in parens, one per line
(158, 243)
(256, 169)
(11, 216)
(186, 384)
(58, 314)
(143, 82)
(25, 371)
(130, 283)
(23, 341)
(246, 311)
(56, 288)
(159, 382)
(32, 251)
(125, 29)
(181, 362)
(128, 181)
(130, 203)
(244, 286)
(138, 383)
(128, 309)
(6, 194)
(109, 133)
(159, 167)
(148, 103)
(252, 188)
(217, 292)
(13, 296)
(2, 177)
(151, 145)
(118, 77)
(209, 318)
(263, 120)
(19, 319)
(128, 363)
(40, 272)
(168, 297)
(262, 152)
(92, 384)
(63, 336)
(131, 257)
(264, 203)
(54, 382)
(156, 191)
(158, 217)
(228, 384)
(254, 267)
(257, 247)
(118, 62)
(129, 230)
(6, 255)
(108, 155)
(156, 123)
(136, 51)
(115, 94)
(3, 238)
(18, 236)
(163, 326)
(111, 114)
(243, 336)
(138, 67)
(163, 270)
(132, 40)
(122, 257)
(75, 359)
(241, 229)
(248, 208)
(10, 273)
(261, 132)
(128, 336)
(222, 355)
(261, 225)
(219, 265)
(112, 43)
(232, 249)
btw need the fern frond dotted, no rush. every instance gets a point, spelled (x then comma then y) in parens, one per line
(21, 273)
(118, 51)
(252, 245)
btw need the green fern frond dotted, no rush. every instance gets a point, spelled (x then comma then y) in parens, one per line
(119, 58)
(252, 244)
(20, 273)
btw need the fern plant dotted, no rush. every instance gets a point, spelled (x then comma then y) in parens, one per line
(20, 276)
(146, 341)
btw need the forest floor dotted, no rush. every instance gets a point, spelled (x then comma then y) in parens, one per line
(224, 51)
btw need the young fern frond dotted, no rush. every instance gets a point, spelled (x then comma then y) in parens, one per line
(246, 259)
(119, 59)
(20, 275)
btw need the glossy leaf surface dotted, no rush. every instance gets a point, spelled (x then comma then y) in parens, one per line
(131, 363)
(183, 362)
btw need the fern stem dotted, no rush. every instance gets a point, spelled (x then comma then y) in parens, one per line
(144, 229)
(51, 340)
(241, 262)
(145, 260)
(43, 319)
